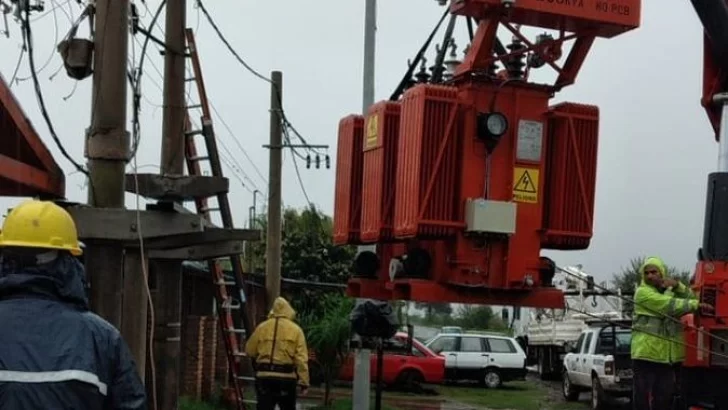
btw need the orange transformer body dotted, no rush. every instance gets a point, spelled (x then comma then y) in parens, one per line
(347, 218)
(380, 165)
(466, 182)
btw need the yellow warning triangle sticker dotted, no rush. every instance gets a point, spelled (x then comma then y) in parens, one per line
(525, 184)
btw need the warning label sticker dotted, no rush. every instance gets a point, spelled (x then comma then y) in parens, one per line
(525, 186)
(372, 131)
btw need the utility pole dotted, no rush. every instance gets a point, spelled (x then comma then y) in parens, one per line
(107, 150)
(273, 244)
(168, 309)
(362, 362)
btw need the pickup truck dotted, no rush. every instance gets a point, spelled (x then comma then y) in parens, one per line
(600, 362)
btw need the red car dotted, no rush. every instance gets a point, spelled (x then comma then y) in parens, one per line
(420, 365)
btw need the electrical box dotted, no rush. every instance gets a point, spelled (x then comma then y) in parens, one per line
(485, 216)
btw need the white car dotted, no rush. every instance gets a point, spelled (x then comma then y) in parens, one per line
(601, 362)
(488, 358)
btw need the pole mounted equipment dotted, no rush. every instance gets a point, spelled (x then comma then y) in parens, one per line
(463, 177)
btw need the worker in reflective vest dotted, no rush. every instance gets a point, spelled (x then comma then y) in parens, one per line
(279, 353)
(659, 303)
(55, 353)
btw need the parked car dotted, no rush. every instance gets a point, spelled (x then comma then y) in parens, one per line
(487, 358)
(407, 369)
(599, 362)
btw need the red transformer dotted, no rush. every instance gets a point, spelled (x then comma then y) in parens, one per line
(466, 181)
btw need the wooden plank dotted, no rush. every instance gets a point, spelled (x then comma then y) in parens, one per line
(176, 187)
(207, 236)
(200, 252)
(134, 307)
(121, 224)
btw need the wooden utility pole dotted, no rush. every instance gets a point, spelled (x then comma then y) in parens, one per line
(168, 309)
(273, 244)
(107, 150)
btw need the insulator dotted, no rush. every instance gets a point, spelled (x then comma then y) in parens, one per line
(308, 161)
(516, 63)
(423, 76)
(318, 161)
(328, 161)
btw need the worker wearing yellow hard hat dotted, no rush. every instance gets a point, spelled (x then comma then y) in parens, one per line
(58, 354)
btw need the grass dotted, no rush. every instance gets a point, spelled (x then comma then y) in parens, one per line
(515, 396)
(512, 396)
(346, 404)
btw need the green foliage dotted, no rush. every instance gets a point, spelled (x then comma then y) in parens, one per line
(469, 317)
(328, 337)
(308, 252)
(434, 310)
(628, 278)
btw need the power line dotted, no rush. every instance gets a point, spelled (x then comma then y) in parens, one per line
(232, 50)
(27, 34)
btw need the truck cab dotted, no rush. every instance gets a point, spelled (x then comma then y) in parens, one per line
(600, 362)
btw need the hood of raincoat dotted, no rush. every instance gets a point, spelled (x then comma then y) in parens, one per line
(282, 309)
(652, 261)
(63, 279)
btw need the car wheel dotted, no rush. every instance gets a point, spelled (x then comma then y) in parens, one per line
(492, 378)
(410, 380)
(571, 393)
(599, 398)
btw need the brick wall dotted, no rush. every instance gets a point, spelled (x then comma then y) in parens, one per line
(201, 357)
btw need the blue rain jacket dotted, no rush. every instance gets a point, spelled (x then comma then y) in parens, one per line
(54, 353)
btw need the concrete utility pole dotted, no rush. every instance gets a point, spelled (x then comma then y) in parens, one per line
(362, 362)
(273, 243)
(168, 306)
(107, 150)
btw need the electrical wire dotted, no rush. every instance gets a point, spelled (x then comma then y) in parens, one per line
(17, 67)
(150, 301)
(298, 172)
(632, 328)
(237, 56)
(660, 314)
(53, 49)
(27, 34)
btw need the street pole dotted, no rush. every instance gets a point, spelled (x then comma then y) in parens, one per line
(107, 150)
(362, 370)
(168, 306)
(273, 243)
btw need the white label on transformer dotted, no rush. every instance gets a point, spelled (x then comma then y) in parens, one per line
(530, 140)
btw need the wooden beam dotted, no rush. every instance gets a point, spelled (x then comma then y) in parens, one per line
(176, 187)
(207, 236)
(122, 225)
(199, 252)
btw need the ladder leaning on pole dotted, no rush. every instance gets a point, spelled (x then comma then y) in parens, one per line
(230, 295)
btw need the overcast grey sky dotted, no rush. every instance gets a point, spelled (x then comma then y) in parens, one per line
(656, 144)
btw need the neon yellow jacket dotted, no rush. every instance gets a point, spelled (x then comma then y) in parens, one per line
(278, 346)
(657, 332)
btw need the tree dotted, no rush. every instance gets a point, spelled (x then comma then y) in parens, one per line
(629, 277)
(307, 253)
(479, 317)
(328, 336)
(432, 310)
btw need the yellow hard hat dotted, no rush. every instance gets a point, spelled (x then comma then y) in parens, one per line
(40, 224)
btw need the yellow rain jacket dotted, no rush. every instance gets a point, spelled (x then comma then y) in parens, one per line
(656, 330)
(278, 346)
